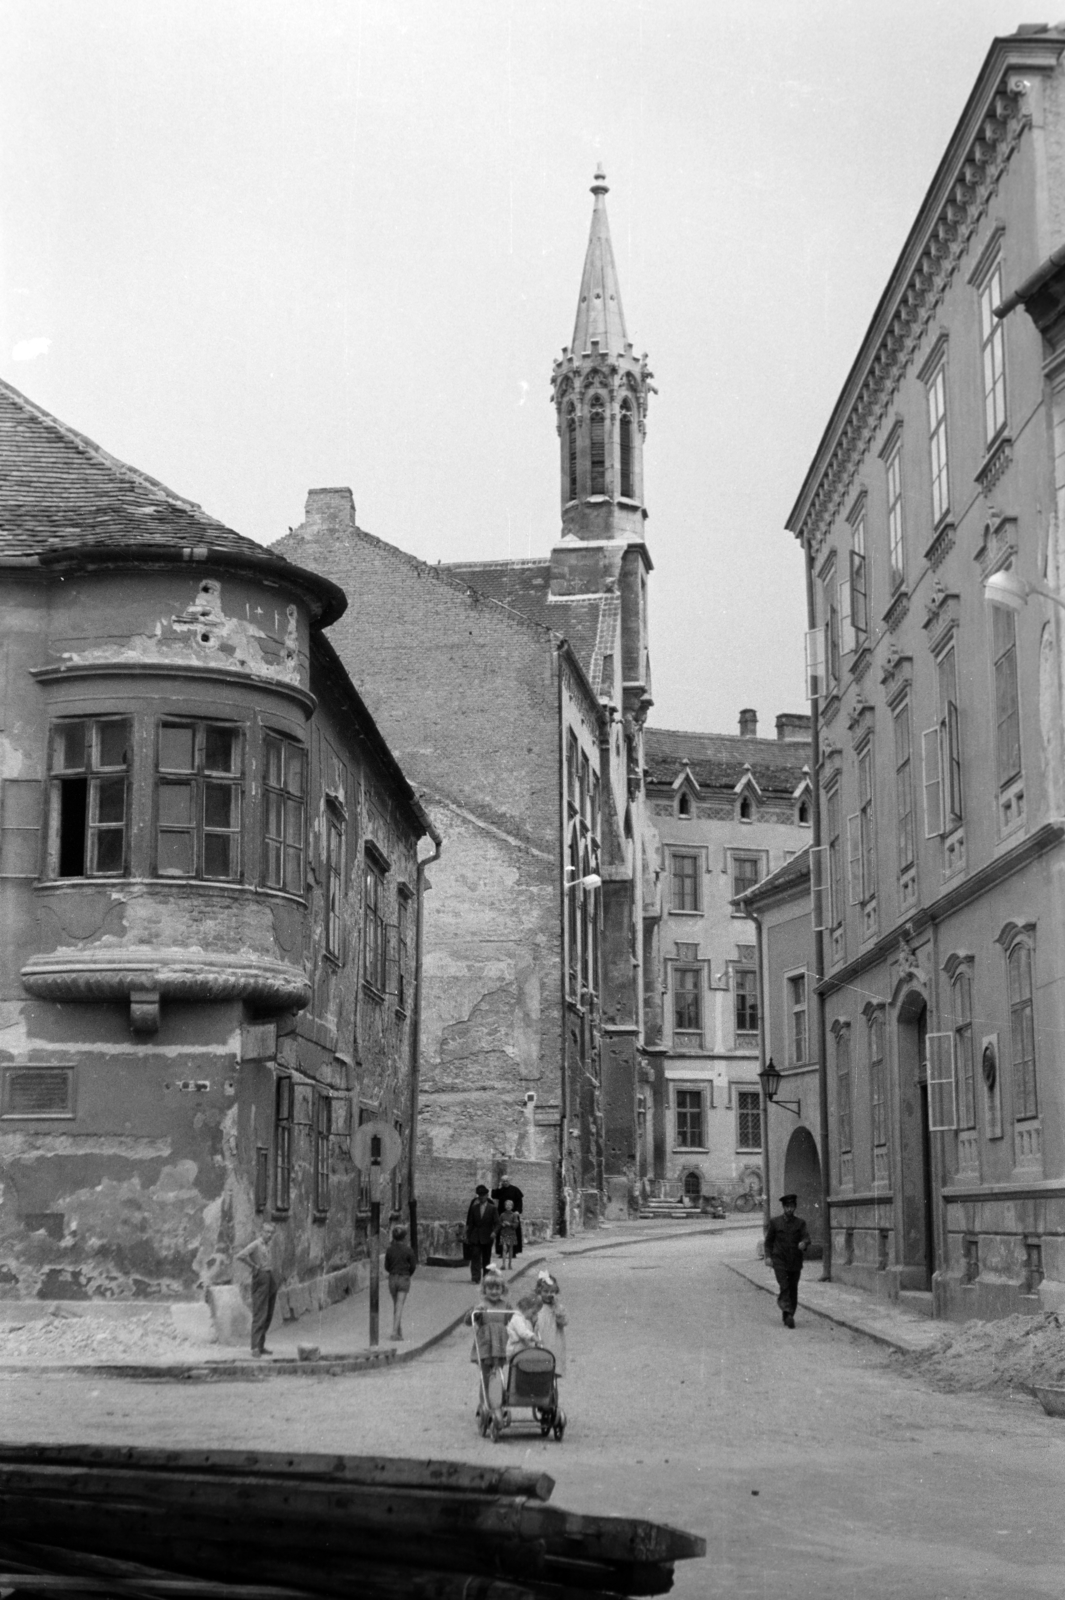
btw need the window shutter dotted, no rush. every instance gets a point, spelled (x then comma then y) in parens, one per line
(933, 783)
(820, 889)
(391, 958)
(815, 663)
(848, 641)
(857, 591)
(854, 860)
(942, 1113)
(952, 761)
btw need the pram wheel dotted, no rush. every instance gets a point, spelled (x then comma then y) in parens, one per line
(560, 1426)
(545, 1419)
(495, 1429)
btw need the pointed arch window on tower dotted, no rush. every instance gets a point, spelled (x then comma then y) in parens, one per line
(625, 443)
(597, 453)
(571, 451)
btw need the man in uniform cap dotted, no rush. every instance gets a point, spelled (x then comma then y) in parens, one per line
(787, 1240)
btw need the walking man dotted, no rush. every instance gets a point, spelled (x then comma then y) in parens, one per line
(482, 1220)
(259, 1258)
(787, 1240)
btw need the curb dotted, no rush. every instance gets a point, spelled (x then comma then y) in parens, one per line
(891, 1342)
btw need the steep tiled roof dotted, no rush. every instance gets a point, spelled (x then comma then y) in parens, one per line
(587, 623)
(717, 760)
(790, 875)
(60, 490)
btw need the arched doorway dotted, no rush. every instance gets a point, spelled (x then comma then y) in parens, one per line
(915, 1247)
(802, 1177)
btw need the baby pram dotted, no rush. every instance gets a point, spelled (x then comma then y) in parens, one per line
(529, 1384)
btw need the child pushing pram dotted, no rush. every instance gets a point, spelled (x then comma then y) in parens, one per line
(515, 1371)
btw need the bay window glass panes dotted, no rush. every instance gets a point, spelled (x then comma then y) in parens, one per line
(199, 814)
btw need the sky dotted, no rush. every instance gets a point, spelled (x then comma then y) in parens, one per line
(258, 246)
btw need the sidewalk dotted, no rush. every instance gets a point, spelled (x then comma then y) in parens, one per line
(881, 1320)
(439, 1299)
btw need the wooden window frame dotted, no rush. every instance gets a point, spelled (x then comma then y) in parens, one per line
(284, 852)
(748, 1105)
(687, 1111)
(200, 778)
(96, 779)
(284, 1128)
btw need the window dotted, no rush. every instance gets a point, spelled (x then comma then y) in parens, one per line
(861, 838)
(688, 1000)
(284, 769)
(904, 787)
(323, 1127)
(876, 1079)
(937, 443)
(685, 880)
(859, 582)
(1007, 706)
(830, 603)
(90, 777)
(835, 856)
(746, 872)
(684, 806)
(993, 350)
(746, 1000)
(625, 441)
(375, 945)
(283, 1122)
(572, 763)
(199, 786)
(597, 453)
(962, 997)
(748, 1119)
(896, 552)
(844, 1118)
(584, 785)
(1022, 1032)
(403, 951)
(334, 881)
(693, 1187)
(571, 452)
(689, 1118)
(796, 1002)
(949, 737)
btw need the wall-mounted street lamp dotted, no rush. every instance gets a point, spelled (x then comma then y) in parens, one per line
(769, 1078)
(1004, 588)
(591, 880)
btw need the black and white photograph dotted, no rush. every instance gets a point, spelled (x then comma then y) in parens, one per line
(532, 800)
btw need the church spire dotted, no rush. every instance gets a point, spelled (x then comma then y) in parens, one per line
(600, 389)
(599, 313)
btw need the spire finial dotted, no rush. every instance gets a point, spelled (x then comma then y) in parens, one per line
(599, 185)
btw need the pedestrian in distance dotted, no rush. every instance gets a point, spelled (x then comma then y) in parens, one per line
(507, 1234)
(509, 1191)
(482, 1220)
(400, 1264)
(787, 1240)
(551, 1320)
(259, 1257)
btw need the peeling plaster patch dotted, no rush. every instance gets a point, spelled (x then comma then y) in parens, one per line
(204, 632)
(40, 1146)
(11, 758)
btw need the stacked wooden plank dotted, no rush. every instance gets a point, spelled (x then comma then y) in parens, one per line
(235, 1525)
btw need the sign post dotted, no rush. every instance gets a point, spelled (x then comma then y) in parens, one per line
(375, 1236)
(376, 1149)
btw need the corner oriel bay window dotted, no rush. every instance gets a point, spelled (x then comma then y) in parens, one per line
(90, 797)
(284, 792)
(199, 785)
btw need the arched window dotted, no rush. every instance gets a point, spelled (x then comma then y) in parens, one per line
(571, 452)
(1022, 1032)
(746, 808)
(804, 812)
(597, 434)
(684, 806)
(693, 1187)
(964, 1055)
(626, 450)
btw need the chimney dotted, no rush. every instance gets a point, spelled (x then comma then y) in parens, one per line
(793, 727)
(328, 511)
(748, 724)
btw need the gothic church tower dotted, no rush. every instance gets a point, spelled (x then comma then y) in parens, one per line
(601, 389)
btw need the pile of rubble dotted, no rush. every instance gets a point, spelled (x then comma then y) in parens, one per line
(1010, 1354)
(69, 1336)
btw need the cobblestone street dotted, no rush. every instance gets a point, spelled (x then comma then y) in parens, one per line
(811, 1463)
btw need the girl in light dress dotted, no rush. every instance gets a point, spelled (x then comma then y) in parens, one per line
(551, 1320)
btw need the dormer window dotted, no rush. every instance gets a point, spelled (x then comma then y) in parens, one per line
(804, 813)
(625, 443)
(684, 806)
(746, 809)
(597, 453)
(571, 452)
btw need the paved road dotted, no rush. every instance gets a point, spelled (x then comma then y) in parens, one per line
(815, 1470)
